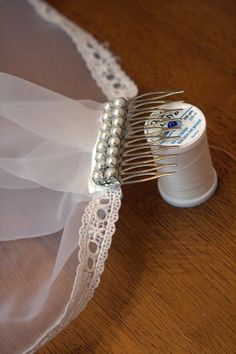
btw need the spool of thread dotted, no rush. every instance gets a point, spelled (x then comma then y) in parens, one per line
(195, 179)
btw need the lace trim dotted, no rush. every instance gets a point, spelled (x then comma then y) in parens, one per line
(98, 222)
(98, 227)
(102, 64)
(95, 236)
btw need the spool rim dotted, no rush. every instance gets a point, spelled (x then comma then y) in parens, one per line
(191, 202)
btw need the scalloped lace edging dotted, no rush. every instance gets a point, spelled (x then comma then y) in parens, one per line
(100, 61)
(95, 236)
(98, 222)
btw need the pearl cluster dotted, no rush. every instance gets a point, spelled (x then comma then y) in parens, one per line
(108, 147)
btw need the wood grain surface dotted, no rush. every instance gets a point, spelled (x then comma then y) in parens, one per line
(169, 285)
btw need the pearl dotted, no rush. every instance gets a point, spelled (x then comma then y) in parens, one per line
(100, 164)
(105, 126)
(107, 107)
(110, 173)
(116, 131)
(111, 161)
(118, 122)
(112, 151)
(104, 135)
(99, 156)
(114, 140)
(98, 177)
(106, 117)
(101, 146)
(120, 102)
(118, 112)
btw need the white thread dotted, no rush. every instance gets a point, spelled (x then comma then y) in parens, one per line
(214, 147)
(195, 179)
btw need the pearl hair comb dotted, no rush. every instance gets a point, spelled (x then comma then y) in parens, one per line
(133, 139)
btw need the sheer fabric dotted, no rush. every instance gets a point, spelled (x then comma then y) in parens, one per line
(54, 235)
(46, 141)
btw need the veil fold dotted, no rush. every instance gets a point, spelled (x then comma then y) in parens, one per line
(46, 142)
(54, 235)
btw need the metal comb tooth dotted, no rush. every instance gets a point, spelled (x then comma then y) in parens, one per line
(129, 148)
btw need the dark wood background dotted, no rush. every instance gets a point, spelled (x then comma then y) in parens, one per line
(169, 283)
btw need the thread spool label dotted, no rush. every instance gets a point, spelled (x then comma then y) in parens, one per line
(188, 118)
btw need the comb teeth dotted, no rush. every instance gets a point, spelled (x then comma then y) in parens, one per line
(130, 141)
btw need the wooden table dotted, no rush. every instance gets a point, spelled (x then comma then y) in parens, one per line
(169, 283)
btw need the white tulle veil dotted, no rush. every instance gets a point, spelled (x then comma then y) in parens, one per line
(54, 234)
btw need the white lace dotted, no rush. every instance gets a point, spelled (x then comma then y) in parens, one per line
(102, 64)
(95, 236)
(98, 222)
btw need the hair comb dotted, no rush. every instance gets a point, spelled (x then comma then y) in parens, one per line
(133, 136)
